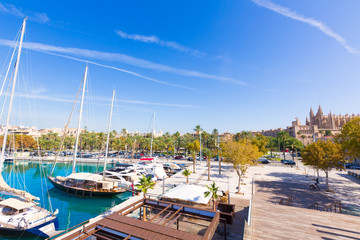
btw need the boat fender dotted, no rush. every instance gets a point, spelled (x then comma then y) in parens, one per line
(56, 212)
(22, 224)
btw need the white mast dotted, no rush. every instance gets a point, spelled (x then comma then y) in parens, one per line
(108, 133)
(12, 94)
(79, 122)
(152, 135)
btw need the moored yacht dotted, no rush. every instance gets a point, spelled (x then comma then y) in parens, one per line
(23, 218)
(87, 184)
(19, 213)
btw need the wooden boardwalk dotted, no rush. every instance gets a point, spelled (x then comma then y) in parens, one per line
(235, 231)
(273, 221)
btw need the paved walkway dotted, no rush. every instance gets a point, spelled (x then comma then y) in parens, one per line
(346, 188)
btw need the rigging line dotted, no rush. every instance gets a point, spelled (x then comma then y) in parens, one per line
(65, 129)
(90, 103)
(21, 79)
(41, 184)
(7, 94)
(150, 123)
(32, 108)
(7, 72)
(16, 39)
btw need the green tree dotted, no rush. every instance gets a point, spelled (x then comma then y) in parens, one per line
(261, 142)
(282, 137)
(324, 155)
(198, 129)
(212, 191)
(193, 148)
(208, 154)
(349, 138)
(241, 155)
(145, 183)
(186, 173)
(272, 144)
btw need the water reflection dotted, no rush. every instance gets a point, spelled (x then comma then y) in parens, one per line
(31, 176)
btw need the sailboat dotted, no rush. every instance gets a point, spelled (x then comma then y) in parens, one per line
(20, 215)
(88, 184)
(151, 143)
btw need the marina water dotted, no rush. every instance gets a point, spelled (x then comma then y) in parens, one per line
(32, 176)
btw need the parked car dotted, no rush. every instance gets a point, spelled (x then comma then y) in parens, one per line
(352, 166)
(289, 162)
(179, 157)
(263, 161)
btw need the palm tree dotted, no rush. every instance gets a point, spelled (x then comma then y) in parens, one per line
(215, 132)
(197, 129)
(208, 155)
(145, 183)
(213, 189)
(187, 173)
(246, 135)
(124, 132)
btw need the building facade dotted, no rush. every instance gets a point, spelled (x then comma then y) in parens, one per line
(317, 126)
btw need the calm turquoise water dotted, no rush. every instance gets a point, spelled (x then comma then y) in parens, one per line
(72, 210)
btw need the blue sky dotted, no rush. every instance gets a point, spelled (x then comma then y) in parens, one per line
(230, 65)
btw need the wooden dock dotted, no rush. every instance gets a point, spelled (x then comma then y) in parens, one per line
(270, 220)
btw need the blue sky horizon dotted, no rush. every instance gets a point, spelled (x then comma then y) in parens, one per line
(230, 65)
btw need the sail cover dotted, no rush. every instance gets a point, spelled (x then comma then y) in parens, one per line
(6, 189)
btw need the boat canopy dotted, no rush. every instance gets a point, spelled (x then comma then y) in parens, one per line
(85, 176)
(107, 185)
(191, 193)
(16, 203)
(5, 188)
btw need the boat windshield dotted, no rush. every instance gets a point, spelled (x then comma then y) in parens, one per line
(8, 211)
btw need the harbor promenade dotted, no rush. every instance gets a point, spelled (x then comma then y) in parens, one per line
(273, 182)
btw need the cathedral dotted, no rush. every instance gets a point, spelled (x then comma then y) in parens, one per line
(319, 126)
(330, 121)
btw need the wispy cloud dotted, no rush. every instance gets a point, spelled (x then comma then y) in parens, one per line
(118, 57)
(158, 41)
(108, 100)
(287, 12)
(18, 12)
(120, 70)
(103, 101)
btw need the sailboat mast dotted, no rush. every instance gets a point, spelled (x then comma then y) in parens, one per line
(12, 95)
(152, 135)
(79, 122)
(108, 133)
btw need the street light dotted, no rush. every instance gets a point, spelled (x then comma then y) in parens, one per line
(200, 148)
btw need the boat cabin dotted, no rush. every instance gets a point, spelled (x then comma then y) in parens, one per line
(13, 206)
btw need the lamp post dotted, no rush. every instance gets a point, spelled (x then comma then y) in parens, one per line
(200, 148)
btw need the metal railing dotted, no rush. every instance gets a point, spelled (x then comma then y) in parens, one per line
(68, 230)
(315, 206)
(248, 228)
(333, 207)
(286, 201)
